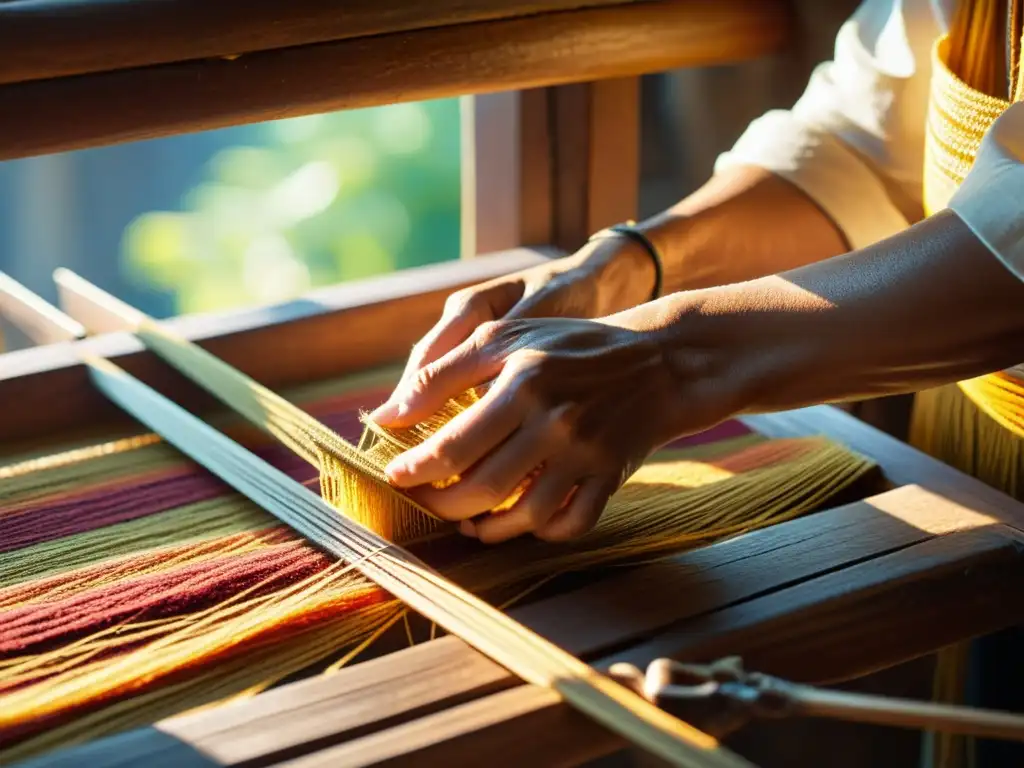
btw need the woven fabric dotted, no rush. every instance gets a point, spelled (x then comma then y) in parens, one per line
(134, 587)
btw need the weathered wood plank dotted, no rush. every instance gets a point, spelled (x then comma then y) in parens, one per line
(507, 153)
(757, 569)
(544, 733)
(56, 38)
(867, 617)
(61, 114)
(549, 165)
(596, 158)
(508, 727)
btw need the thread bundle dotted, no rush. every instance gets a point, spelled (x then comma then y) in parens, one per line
(117, 610)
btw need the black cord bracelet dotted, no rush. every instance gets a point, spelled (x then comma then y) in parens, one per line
(628, 229)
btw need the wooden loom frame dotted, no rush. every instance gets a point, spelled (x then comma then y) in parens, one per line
(545, 165)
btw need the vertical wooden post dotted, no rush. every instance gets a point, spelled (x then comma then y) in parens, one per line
(596, 157)
(550, 165)
(506, 171)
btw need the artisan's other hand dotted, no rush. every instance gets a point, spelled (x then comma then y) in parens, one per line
(587, 401)
(605, 276)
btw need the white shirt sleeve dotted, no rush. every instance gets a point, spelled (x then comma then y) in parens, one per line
(854, 142)
(991, 198)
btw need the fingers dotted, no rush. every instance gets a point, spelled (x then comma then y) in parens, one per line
(461, 443)
(464, 312)
(492, 480)
(451, 331)
(553, 509)
(442, 339)
(547, 493)
(580, 514)
(464, 367)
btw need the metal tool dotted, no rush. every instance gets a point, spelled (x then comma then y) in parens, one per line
(722, 697)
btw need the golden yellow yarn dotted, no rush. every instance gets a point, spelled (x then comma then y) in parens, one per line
(967, 67)
(968, 77)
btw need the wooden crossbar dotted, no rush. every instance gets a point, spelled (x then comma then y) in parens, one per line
(104, 35)
(64, 113)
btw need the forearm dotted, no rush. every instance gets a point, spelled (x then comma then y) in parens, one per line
(928, 306)
(743, 224)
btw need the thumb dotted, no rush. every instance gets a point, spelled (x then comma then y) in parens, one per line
(448, 333)
(426, 392)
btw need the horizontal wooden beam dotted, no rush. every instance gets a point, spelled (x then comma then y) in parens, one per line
(57, 38)
(826, 630)
(68, 113)
(978, 572)
(327, 333)
(764, 574)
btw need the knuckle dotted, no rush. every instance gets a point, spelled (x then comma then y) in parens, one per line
(527, 375)
(461, 303)
(423, 378)
(572, 526)
(540, 517)
(419, 351)
(563, 424)
(487, 493)
(593, 454)
(446, 458)
(487, 332)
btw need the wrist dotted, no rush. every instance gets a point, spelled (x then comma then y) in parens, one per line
(623, 272)
(744, 348)
(696, 343)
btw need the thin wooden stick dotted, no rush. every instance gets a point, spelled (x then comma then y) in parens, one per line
(42, 322)
(903, 713)
(730, 696)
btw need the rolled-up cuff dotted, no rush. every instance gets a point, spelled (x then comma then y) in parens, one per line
(825, 169)
(991, 198)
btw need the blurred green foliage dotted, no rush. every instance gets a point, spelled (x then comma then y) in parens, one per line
(308, 202)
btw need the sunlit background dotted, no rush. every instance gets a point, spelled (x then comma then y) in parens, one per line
(242, 216)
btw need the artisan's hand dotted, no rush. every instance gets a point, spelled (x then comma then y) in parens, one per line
(605, 276)
(587, 401)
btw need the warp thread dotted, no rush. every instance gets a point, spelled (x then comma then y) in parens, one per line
(137, 619)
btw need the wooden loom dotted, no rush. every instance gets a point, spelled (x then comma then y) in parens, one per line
(545, 166)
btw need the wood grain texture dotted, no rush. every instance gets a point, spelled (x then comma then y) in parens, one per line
(67, 113)
(55, 38)
(830, 629)
(549, 165)
(751, 581)
(476, 733)
(979, 561)
(596, 157)
(817, 630)
(507, 173)
(331, 332)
